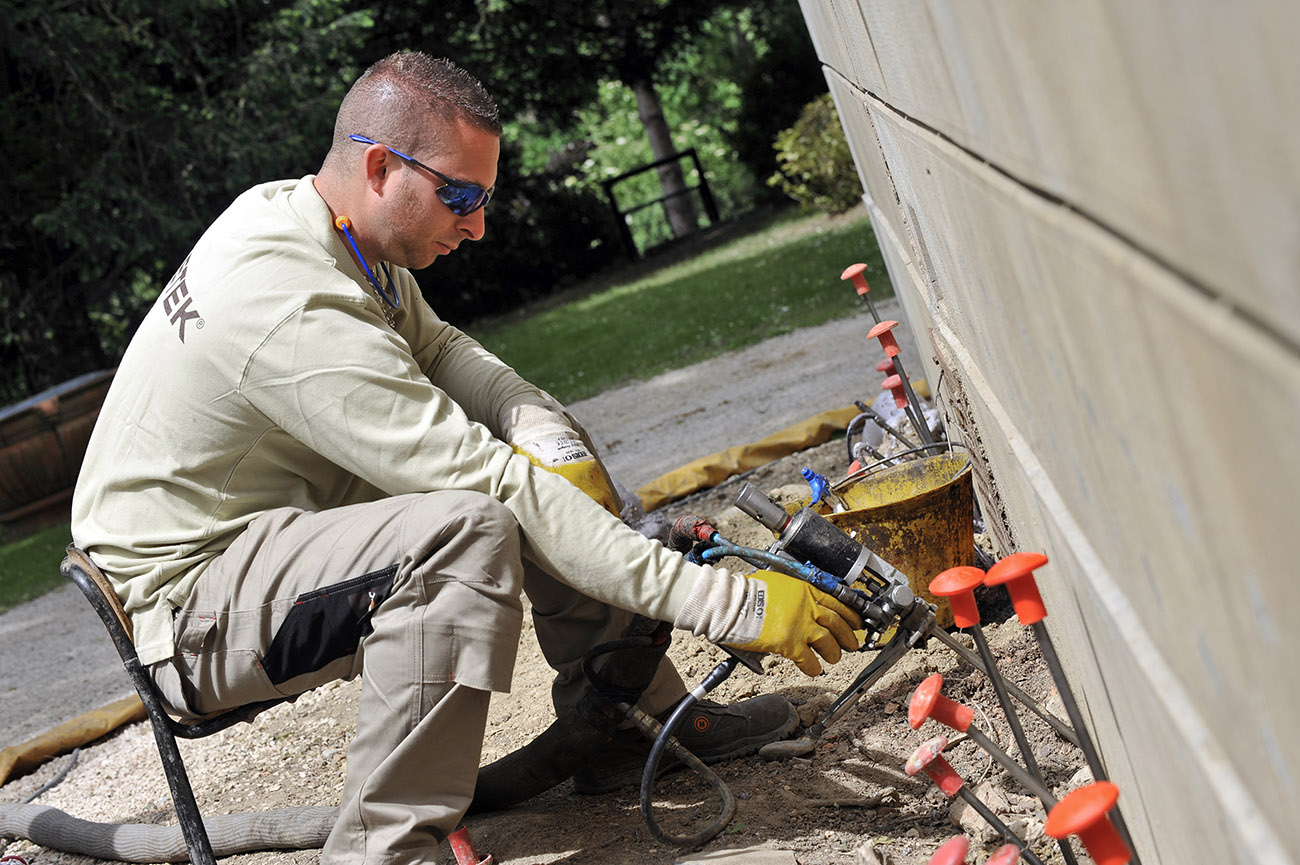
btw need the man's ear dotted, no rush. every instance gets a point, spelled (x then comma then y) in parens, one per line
(377, 164)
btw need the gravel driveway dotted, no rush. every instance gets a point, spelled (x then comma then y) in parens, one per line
(58, 662)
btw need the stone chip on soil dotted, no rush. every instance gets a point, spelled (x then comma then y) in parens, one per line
(742, 856)
(787, 749)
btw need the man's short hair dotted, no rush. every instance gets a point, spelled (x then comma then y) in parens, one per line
(407, 99)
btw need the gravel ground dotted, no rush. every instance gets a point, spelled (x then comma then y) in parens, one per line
(647, 429)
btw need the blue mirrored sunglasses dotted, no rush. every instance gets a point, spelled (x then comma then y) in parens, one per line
(461, 197)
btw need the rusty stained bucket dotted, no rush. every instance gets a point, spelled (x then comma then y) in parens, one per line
(919, 516)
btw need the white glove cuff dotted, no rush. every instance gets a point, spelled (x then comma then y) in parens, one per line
(724, 608)
(529, 422)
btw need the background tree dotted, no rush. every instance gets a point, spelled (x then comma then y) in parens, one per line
(550, 56)
(127, 127)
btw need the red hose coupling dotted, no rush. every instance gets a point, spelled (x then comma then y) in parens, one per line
(928, 702)
(1083, 812)
(854, 272)
(958, 586)
(929, 758)
(1016, 571)
(952, 852)
(894, 384)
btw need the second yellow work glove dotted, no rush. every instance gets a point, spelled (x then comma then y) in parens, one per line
(543, 434)
(570, 459)
(770, 612)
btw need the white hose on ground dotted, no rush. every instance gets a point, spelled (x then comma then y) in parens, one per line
(281, 829)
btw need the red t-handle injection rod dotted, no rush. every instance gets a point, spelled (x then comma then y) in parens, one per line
(1016, 572)
(928, 758)
(1083, 813)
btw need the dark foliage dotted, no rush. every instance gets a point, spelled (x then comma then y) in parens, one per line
(776, 88)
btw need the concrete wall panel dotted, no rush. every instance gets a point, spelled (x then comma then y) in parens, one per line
(862, 139)
(842, 40)
(1141, 433)
(1185, 798)
(1168, 123)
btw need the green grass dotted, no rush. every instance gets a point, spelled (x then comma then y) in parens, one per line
(30, 567)
(782, 277)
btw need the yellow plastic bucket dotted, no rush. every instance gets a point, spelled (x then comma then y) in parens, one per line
(919, 516)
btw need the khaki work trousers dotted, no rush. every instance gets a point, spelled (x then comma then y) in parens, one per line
(420, 595)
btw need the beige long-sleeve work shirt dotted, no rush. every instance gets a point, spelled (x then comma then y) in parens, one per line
(266, 376)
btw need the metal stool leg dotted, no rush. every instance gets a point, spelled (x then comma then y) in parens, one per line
(178, 780)
(77, 567)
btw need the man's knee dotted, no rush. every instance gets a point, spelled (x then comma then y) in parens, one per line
(447, 522)
(460, 581)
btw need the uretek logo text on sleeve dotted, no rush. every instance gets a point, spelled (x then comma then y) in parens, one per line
(177, 303)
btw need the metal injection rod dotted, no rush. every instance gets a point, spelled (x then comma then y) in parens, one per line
(853, 273)
(929, 758)
(1062, 729)
(882, 423)
(1016, 572)
(888, 342)
(928, 702)
(958, 586)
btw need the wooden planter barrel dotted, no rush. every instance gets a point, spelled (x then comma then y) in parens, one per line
(42, 443)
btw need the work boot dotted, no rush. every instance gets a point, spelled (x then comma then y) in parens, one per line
(710, 731)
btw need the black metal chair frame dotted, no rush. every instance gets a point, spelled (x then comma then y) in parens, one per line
(79, 568)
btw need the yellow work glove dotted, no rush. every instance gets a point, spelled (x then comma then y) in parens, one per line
(546, 435)
(570, 459)
(795, 620)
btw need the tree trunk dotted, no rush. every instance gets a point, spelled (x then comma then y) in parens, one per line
(678, 203)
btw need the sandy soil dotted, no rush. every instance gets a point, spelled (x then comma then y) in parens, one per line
(846, 803)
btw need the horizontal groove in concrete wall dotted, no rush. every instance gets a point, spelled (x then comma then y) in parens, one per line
(1265, 328)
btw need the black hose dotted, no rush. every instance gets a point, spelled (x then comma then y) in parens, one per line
(584, 729)
(665, 741)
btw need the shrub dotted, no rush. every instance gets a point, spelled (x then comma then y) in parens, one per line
(816, 165)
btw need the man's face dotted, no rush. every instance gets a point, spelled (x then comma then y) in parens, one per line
(420, 227)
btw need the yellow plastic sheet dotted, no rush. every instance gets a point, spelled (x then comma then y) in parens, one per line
(711, 470)
(17, 760)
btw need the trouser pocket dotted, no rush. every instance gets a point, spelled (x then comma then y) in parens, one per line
(326, 624)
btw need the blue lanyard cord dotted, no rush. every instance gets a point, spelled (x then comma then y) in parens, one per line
(345, 225)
